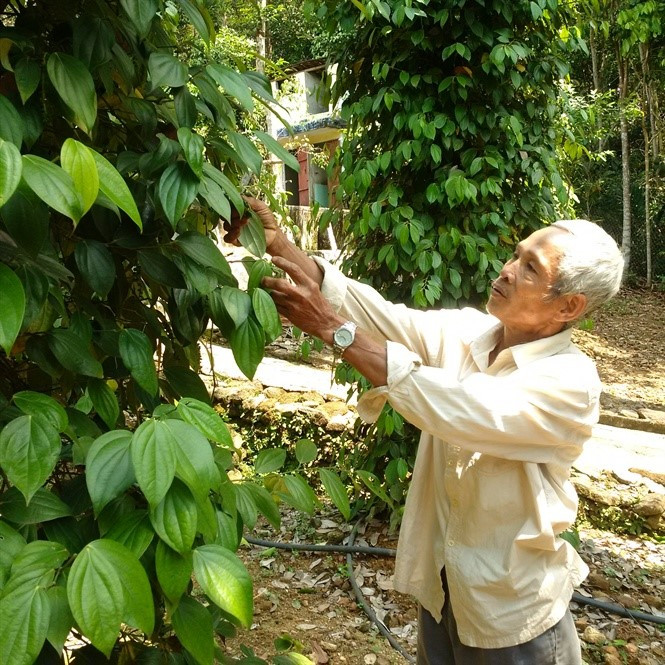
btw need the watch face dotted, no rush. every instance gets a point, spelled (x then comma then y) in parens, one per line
(343, 337)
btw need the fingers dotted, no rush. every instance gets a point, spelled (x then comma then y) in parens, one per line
(293, 270)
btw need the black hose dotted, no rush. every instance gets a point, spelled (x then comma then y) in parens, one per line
(384, 551)
(383, 629)
(619, 609)
(344, 549)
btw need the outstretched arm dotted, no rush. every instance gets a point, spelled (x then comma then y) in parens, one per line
(302, 302)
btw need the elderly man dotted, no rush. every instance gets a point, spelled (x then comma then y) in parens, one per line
(505, 403)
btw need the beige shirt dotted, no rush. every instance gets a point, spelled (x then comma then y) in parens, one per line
(490, 490)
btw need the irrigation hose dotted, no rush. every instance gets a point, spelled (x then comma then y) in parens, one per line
(350, 549)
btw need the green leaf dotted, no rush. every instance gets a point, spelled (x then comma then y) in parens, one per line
(141, 13)
(233, 84)
(73, 353)
(109, 470)
(192, 148)
(96, 265)
(270, 460)
(105, 402)
(265, 503)
(11, 125)
(114, 187)
(44, 506)
(455, 277)
(12, 307)
(193, 626)
(238, 304)
(205, 252)
(73, 82)
(133, 530)
(195, 464)
(12, 543)
(154, 455)
(247, 151)
(27, 74)
(11, 167)
(29, 449)
(52, 185)
(35, 566)
(25, 621)
(278, 150)
(61, 619)
(107, 586)
(246, 505)
(186, 382)
(267, 314)
(306, 451)
(373, 483)
(299, 494)
(166, 70)
(161, 269)
(215, 196)
(253, 236)
(206, 420)
(26, 218)
(177, 189)
(137, 354)
(260, 269)
(185, 107)
(77, 160)
(174, 517)
(336, 491)
(225, 581)
(199, 18)
(247, 343)
(38, 404)
(231, 190)
(174, 571)
(228, 531)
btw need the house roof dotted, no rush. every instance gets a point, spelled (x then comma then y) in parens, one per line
(299, 67)
(310, 126)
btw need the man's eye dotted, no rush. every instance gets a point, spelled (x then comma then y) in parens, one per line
(531, 267)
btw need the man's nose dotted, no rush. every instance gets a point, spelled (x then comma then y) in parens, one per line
(507, 271)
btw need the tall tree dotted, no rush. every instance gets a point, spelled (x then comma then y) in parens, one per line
(451, 148)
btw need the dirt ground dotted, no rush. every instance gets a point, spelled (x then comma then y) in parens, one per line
(306, 599)
(627, 342)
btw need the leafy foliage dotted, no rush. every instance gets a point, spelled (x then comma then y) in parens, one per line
(117, 160)
(465, 161)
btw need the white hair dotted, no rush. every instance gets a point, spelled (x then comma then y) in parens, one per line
(591, 263)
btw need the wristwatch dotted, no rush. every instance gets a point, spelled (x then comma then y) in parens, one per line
(343, 337)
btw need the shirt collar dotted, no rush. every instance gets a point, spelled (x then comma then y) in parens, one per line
(482, 344)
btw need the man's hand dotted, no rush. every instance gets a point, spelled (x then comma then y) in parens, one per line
(274, 235)
(302, 302)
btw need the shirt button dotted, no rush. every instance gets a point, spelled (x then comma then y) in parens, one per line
(451, 543)
(454, 503)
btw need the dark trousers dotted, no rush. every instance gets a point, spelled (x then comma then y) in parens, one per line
(439, 644)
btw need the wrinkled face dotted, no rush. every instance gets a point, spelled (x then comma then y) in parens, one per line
(521, 297)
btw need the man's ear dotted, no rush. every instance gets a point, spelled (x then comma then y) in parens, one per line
(571, 308)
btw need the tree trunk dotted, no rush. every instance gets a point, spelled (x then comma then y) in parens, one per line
(646, 106)
(625, 161)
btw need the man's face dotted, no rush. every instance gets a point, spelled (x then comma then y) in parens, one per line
(521, 297)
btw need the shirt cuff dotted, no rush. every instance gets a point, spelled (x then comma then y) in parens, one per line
(400, 362)
(334, 284)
